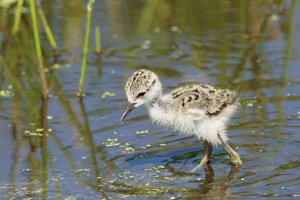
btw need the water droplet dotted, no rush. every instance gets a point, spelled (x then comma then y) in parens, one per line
(156, 30)
(174, 28)
(275, 17)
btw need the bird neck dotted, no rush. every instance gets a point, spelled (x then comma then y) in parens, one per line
(155, 96)
(156, 101)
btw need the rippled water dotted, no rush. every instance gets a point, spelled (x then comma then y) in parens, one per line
(90, 155)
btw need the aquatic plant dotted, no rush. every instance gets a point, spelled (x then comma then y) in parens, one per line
(86, 46)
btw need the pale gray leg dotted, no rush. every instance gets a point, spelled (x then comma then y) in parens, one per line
(235, 158)
(207, 153)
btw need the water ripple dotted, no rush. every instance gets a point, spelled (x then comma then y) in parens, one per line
(160, 49)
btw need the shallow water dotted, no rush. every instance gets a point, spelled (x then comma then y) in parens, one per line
(252, 47)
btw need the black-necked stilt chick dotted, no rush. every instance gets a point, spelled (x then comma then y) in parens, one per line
(198, 109)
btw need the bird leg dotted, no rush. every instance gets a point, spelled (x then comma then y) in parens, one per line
(205, 158)
(235, 158)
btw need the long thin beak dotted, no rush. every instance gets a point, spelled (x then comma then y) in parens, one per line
(130, 107)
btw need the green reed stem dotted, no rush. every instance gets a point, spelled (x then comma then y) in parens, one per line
(86, 46)
(17, 17)
(38, 49)
(46, 25)
(98, 39)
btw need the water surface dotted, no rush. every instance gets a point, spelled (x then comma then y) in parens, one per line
(251, 46)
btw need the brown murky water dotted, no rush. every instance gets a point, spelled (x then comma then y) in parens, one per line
(251, 46)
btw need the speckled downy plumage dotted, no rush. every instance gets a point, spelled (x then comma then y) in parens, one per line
(199, 109)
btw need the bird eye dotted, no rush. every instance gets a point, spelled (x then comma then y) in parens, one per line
(140, 94)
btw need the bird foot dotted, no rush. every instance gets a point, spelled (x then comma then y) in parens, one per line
(197, 167)
(235, 159)
(203, 162)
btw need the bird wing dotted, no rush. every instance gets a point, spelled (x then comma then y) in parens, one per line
(202, 99)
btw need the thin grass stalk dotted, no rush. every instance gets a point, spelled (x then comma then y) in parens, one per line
(98, 39)
(44, 146)
(55, 178)
(90, 141)
(289, 45)
(38, 49)
(46, 25)
(86, 46)
(18, 13)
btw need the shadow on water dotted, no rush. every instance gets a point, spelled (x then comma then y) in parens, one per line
(62, 147)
